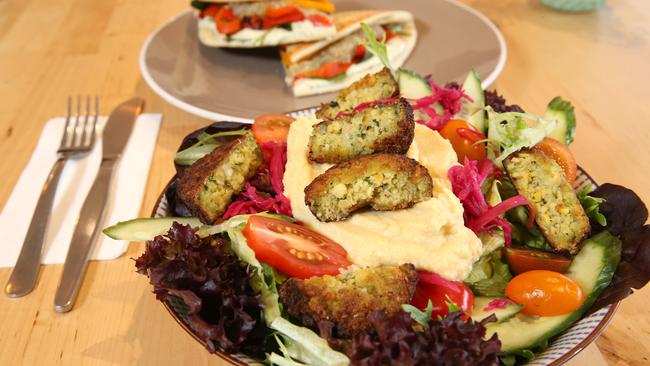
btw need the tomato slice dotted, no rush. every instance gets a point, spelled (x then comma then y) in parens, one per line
(464, 139)
(227, 22)
(327, 71)
(561, 154)
(439, 291)
(522, 260)
(545, 293)
(293, 249)
(274, 17)
(271, 127)
(319, 20)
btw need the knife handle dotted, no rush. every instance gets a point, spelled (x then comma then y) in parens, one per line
(23, 276)
(84, 237)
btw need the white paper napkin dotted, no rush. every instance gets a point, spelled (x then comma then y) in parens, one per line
(78, 175)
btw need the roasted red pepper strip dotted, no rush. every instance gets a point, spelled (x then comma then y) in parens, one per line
(274, 17)
(319, 20)
(227, 22)
(327, 71)
(210, 11)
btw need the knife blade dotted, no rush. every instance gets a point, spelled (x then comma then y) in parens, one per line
(116, 134)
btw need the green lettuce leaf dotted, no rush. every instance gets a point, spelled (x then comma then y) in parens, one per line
(422, 317)
(489, 276)
(523, 234)
(205, 144)
(530, 236)
(377, 48)
(512, 131)
(592, 205)
(300, 343)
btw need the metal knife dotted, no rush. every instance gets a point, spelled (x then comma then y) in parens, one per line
(115, 136)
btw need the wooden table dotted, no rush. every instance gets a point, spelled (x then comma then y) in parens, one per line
(51, 49)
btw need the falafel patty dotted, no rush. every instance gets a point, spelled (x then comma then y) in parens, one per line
(371, 87)
(385, 128)
(348, 299)
(383, 182)
(558, 211)
(208, 185)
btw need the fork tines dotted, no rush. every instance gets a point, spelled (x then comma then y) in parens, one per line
(79, 131)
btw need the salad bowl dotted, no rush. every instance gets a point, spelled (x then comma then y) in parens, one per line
(561, 348)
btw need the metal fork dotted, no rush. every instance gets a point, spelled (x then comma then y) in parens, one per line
(78, 139)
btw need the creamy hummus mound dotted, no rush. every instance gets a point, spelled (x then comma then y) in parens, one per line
(431, 234)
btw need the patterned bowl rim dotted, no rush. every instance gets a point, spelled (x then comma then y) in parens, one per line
(566, 356)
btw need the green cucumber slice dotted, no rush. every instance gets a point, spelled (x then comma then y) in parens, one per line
(412, 85)
(562, 111)
(592, 269)
(480, 303)
(147, 228)
(473, 111)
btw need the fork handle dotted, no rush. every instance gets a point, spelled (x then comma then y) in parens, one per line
(23, 277)
(84, 237)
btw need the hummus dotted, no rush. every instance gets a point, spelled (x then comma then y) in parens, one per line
(431, 234)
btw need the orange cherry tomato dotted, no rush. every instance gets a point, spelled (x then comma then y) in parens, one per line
(463, 138)
(271, 127)
(561, 154)
(545, 293)
(522, 260)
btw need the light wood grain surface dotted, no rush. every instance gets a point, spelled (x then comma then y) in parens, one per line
(51, 49)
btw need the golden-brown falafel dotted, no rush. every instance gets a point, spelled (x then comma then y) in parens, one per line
(208, 185)
(381, 181)
(348, 299)
(385, 128)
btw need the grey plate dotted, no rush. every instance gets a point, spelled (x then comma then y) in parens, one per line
(237, 84)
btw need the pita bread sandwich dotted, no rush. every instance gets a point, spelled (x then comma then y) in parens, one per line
(262, 23)
(337, 62)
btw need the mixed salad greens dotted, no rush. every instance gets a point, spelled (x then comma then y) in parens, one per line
(521, 292)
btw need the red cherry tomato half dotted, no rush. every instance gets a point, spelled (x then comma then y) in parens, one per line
(439, 291)
(271, 127)
(294, 249)
(545, 293)
(522, 260)
(464, 139)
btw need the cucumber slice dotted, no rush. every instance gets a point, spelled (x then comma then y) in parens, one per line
(480, 303)
(473, 111)
(147, 229)
(412, 85)
(562, 111)
(592, 269)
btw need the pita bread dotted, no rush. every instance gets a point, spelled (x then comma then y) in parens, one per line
(346, 24)
(302, 31)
